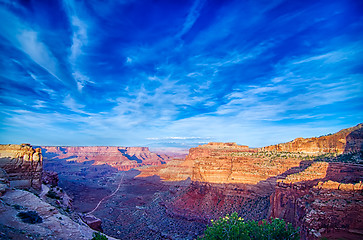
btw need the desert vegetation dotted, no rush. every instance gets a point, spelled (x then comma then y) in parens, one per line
(349, 157)
(98, 236)
(234, 227)
(30, 217)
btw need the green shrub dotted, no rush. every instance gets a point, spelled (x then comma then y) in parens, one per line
(98, 236)
(234, 227)
(30, 217)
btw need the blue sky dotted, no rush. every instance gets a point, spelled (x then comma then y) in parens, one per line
(178, 73)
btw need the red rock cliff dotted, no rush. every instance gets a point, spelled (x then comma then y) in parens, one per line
(122, 158)
(227, 178)
(346, 140)
(288, 181)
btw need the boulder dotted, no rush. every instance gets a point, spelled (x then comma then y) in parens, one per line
(92, 221)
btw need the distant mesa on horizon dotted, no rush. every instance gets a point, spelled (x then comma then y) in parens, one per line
(332, 142)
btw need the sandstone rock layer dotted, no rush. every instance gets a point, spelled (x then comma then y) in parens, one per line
(296, 181)
(121, 158)
(346, 140)
(23, 164)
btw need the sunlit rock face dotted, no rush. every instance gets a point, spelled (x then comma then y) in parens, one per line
(305, 182)
(346, 140)
(222, 163)
(23, 165)
(230, 177)
(174, 170)
(121, 158)
(226, 163)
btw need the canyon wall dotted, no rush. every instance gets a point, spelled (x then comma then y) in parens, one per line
(21, 168)
(23, 165)
(305, 182)
(229, 178)
(346, 140)
(226, 163)
(324, 200)
(230, 163)
(121, 158)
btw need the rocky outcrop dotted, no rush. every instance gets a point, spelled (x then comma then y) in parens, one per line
(121, 158)
(354, 140)
(324, 200)
(346, 140)
(340, 186)
(204, 201)
(319, 212)
(50, 178)
(92, 221)
(4, 181)
(23, 165)
(54, 224)
(317, 170)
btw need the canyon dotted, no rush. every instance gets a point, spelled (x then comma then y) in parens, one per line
(120, 158)
(133, 193)
(314, 183)
(32, 206)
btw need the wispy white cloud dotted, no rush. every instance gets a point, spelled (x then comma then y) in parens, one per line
(334, 56)
(39, 104)
(71, 104)
(81, 80)
(298, 89)
(79, 41)
(26, 39)
(31, 45)
(192, 17)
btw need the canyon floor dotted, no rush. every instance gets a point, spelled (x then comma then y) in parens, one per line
(136, 211)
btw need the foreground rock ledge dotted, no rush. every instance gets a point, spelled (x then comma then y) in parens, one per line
(54, 225)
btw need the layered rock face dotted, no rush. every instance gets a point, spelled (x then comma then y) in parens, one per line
(174, 170)
(226, 163)
(324, 200)
(23, 165)
(346, 140)
(297, 181)
(228, 178)
(221, 163)
(122, 158)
